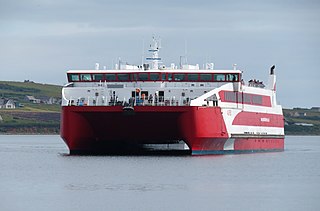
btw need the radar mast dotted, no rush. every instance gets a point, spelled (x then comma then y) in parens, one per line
(154, 49)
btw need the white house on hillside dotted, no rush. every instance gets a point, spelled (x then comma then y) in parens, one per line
(32, 99)
(7, 103)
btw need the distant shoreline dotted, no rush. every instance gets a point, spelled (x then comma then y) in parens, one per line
(36, 111)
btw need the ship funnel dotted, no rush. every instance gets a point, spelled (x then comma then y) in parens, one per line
(272, 70)
(272, 79)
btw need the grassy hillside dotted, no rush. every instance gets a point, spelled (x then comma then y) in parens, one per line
(28, 122)
(302, 121)
(31, 118)
(18, 90)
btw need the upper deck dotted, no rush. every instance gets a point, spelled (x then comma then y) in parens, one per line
(155, 84)
(167, 75)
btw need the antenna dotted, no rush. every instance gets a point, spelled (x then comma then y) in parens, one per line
(234, 66)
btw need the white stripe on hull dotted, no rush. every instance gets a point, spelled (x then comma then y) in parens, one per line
(255, 130)
(229, 145)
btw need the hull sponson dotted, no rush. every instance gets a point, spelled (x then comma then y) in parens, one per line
(241, 145)
(109, 128)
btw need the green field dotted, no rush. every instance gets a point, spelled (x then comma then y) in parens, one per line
(302, 115)
(19, 90)
(29, 122)
(28, 117)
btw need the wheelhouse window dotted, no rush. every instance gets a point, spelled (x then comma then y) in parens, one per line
(163, 76)
(232, 77)
(110, 77)
(74, 77)
(85, 77)
(205, 77)
(192, 77)
(97, 77)
(133, 76)
(123, 77)
(235, 77)
(179, 77)
(143, 76)
(219, 77)
(154, 76)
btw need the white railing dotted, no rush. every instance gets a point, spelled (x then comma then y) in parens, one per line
(115, 101)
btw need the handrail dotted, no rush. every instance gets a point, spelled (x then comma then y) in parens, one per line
(156, 101)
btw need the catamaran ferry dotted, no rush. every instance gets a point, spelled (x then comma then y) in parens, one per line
(131, 108)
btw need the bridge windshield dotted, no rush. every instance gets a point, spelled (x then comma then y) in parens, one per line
(173, 77)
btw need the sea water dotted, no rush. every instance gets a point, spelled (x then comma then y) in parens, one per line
(36, 173)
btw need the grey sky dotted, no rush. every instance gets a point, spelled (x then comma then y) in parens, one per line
(41, 39)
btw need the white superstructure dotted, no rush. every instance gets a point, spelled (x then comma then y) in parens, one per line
(154, 84)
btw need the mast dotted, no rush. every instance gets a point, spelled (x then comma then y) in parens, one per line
(154, 49)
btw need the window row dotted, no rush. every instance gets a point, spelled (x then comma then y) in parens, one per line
(195, 77)
(239, 97)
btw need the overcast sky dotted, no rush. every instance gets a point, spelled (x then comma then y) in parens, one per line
(41, 39)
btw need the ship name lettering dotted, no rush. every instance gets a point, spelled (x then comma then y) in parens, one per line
(264, 119)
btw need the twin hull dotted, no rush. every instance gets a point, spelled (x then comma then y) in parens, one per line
(105, 129)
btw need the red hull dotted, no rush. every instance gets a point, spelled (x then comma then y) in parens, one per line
(108, 128)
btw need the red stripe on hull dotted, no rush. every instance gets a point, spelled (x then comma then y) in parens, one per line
(259, 119)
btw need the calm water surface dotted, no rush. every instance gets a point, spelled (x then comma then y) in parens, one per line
(36, 173)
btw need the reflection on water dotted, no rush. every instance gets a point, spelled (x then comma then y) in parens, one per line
(37, 173)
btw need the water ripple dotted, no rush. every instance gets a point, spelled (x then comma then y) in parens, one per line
(125, 187)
